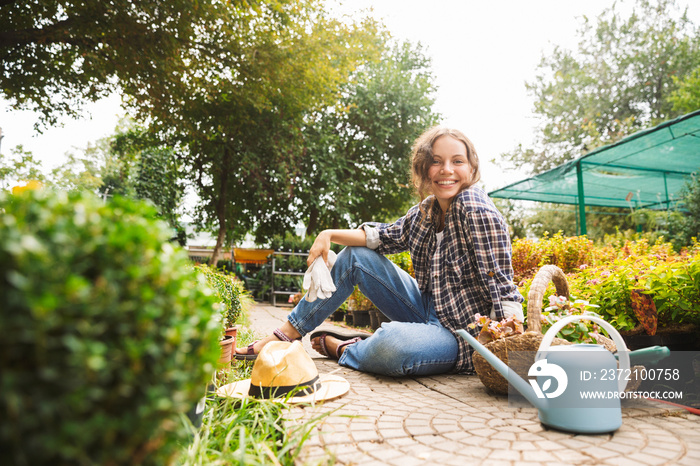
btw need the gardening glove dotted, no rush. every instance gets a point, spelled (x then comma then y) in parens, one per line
(318, 280)
(510, 309)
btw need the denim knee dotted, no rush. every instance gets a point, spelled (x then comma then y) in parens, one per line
(352, 254)
(400, 349)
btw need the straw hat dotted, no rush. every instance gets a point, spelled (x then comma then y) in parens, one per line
(285, 372)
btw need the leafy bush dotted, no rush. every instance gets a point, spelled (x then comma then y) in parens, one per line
(559, 308)
(567, 253)
(403, 260)
(673, 282)
(617, 268)
(108, 332)
(228, 289)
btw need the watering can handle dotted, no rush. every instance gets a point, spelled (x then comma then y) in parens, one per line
(622, 352)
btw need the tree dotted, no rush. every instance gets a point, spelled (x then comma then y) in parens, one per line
(357, 162)
(145, 168)
(238, 108)
(130, 163)
(20, 166)
(686, 229)
(619, 81)
(79, 172)
(553, 218)
(686, 98)
(57, 54)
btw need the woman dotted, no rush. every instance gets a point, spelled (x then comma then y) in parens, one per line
(461, 254)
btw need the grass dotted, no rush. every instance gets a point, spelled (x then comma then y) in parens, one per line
(246, 432)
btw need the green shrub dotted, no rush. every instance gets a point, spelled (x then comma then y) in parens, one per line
(567, 253)
(611, 271)
(403, 261)
(227, 290)
(673, 282)
(108, 332)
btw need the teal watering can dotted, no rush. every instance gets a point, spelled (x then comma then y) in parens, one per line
(562, 373)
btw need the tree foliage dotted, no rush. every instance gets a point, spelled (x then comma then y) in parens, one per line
(240, 91)
(57, 54)
(144, 168)
(686, 98)
(357, 159)
(239, 107)
(618, 81)
(553, 218)
(19, 166)
(129, 163)
(685, 230)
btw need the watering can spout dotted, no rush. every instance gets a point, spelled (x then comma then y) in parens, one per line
(522, 386)
(650, 355)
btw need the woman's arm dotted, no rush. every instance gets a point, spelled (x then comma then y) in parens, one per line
(323, 241)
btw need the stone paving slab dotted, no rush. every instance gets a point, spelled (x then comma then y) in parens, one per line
(452, 420)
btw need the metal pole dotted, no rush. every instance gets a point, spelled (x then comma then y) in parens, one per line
(581, 200)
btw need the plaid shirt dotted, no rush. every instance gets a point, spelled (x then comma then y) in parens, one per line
(471, 272)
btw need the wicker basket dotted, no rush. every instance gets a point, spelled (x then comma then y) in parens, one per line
(529, 341)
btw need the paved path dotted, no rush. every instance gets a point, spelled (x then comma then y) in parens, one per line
(453, 420)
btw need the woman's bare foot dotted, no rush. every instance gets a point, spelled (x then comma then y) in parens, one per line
(331, 346)
(286, 329)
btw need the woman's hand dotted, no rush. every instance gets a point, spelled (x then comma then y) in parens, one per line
(321, 246)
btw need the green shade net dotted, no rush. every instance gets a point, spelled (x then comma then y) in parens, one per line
(644, 170)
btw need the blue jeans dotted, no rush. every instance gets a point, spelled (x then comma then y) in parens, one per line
(413, 343)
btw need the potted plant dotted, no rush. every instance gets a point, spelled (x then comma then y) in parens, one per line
(227, 290)
(359, 306)
(339, 314)
(376, 318)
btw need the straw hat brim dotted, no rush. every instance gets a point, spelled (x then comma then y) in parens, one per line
(332, 387)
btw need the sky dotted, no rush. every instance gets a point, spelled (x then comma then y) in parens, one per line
(482, 52)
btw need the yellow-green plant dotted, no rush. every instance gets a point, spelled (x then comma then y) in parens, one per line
(566, 252)
(672, 280)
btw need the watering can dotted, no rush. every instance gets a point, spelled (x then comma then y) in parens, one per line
(564, 372)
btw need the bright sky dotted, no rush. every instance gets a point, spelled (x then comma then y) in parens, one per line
(483, 53)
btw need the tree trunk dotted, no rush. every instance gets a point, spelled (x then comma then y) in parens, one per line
(221, 205)
(219, 244)
(313, 222)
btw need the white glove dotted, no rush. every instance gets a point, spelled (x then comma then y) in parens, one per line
(510, 309)
(318, 280)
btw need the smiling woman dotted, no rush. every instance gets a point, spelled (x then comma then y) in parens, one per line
(444, 163)
(450, 171)
(460, 250)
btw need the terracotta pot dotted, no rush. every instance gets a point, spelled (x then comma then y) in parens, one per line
(226, 343)
(233, 332)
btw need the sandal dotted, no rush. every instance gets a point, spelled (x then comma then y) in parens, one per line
(250, 354)
(345, 338)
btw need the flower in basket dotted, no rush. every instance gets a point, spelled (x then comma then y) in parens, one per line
(579, 332)
(493, 330)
